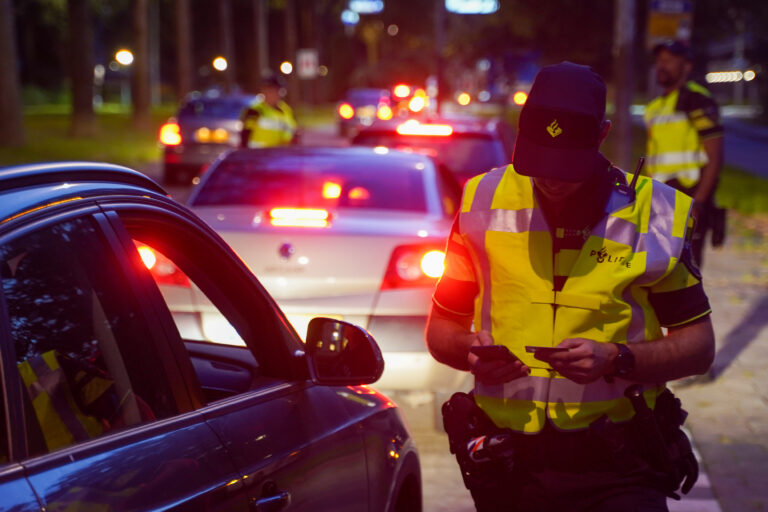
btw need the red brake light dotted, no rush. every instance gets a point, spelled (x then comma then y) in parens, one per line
(346, 111)
(413, 266)
(170, 134)
(299, 217)
(161, 268)
(413, 127)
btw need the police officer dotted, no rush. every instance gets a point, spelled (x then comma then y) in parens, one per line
(269, 120)
(685, 137)
(558, 250)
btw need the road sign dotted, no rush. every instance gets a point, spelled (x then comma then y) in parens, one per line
(306, 63)
(669, 19)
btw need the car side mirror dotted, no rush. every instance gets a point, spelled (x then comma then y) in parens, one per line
(340, 353)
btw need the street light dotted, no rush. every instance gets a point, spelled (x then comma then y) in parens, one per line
(220, 63)
(286, 67)
(124, 57)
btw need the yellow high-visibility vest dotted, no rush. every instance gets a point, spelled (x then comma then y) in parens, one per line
(605, 296)
(674, 149)
(61, 419)
(272, 127)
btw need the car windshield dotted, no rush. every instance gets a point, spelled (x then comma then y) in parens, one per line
(465, 155)
(219, 108)
(362, 183)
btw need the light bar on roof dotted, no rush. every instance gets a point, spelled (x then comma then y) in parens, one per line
(413, 127)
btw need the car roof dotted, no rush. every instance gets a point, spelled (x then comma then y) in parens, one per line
(350, 152)
(54, 181)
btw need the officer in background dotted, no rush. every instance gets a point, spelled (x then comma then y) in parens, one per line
(269, 120)
(559, 250)
(685, 138)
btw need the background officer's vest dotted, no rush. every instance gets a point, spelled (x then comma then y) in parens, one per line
(603, 299)
(674, 148)
(272, 127)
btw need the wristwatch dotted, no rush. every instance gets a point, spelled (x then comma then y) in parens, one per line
(624, 362)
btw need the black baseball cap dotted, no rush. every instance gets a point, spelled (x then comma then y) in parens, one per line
(675, 47)
(558, 133)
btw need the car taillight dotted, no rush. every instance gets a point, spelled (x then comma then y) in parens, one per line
(413, 266)
(384, 113)
(299, 217)
(205, 134)
(161, 268)
(346, 111)
(413, 127)
(170, 134)
(464, 99)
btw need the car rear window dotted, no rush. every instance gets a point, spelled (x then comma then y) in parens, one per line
(321, 183)
(220, 108)
(371, 97)
(465, 155)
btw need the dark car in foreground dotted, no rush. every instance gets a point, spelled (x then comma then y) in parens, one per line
(107, 407)
(205, 125)
(466, 146)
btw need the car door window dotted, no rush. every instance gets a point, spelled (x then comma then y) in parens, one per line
(83, 352)
(214, 307)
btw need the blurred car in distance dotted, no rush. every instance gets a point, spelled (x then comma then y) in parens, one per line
(205, 125)
(466, 146)
(107, 406)
(356, 234)
(360, 107)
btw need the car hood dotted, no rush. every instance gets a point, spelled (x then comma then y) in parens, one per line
(349, 257)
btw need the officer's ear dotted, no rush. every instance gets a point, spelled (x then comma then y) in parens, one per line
(605, 127)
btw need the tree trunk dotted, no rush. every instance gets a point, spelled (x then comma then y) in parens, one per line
(140, 67)
(183, 49)
(83, 121)
(227, 39)
(291, 45)
(259, 63)
(11, 121)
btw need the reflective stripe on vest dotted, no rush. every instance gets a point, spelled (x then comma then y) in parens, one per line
(272, 127)
(60, 418)
(603, 297)
(674, 150)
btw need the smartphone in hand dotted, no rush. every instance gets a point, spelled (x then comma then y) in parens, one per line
(492, 352)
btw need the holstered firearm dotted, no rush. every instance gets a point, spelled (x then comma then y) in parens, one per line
(465, 423)
(664, 444)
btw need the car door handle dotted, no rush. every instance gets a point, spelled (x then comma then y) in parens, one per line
(272, 503)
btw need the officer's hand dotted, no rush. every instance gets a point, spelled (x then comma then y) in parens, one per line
(494, 371)
(585, 360)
